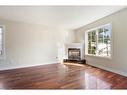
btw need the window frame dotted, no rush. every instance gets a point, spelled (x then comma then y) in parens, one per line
(86, 42)
(3, 56)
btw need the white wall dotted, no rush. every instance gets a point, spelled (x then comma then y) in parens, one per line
(29, 44)
(118, 63)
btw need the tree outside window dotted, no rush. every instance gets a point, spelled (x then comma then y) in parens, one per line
(99, 41)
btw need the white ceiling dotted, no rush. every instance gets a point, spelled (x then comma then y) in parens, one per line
(69, 17)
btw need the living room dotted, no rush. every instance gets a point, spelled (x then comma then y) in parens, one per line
(63, 47)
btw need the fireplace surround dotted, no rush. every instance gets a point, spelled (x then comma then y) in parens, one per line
(74, 52)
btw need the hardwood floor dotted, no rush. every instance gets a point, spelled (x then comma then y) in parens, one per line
(58, 76)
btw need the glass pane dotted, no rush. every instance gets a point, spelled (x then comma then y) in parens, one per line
(93, 50)
(89, 45)
(107, 34)
(92, 42)
(89, 51)
(107, 39)
(100, 35)
(104, 41)
(89, 36)
(93, 36)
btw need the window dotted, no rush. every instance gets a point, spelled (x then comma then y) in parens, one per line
(1, 42)
(98, 41)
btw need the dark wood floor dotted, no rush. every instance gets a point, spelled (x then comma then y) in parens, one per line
(58, 76)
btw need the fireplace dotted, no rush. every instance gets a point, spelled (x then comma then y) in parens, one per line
(74, 54)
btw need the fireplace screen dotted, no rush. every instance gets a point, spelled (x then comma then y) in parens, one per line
(74, 54)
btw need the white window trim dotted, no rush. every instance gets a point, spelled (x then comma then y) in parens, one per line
(86, 42)
(3, 56)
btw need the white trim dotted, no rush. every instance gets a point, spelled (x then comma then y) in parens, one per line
(104, 57)
(3, 56)
(8, 66)
(74, 45)
(86, 41)
(109, 69)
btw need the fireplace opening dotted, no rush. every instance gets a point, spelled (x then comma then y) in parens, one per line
(74, 54)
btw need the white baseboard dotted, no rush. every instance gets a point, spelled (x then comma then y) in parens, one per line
(110, 69)
(8, 66)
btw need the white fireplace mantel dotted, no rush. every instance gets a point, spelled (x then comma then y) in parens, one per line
(73, 45)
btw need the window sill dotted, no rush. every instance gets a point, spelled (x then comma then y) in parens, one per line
(103, 57)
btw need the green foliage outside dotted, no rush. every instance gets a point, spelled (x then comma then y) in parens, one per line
(103, 37)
